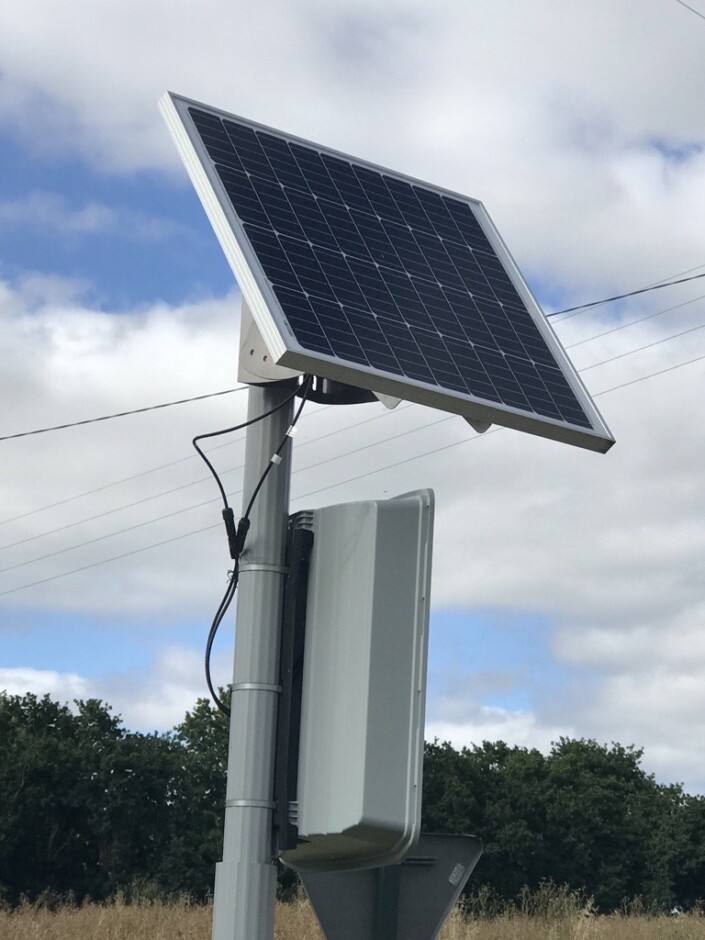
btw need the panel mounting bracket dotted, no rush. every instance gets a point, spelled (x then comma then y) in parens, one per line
(255, 365)
(478, 425)
(389, 401)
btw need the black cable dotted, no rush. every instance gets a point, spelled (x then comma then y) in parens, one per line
(306, 388)
(238, 534)
(237, 427)
(219, 614)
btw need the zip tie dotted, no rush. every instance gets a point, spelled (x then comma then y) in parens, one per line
(276, 459)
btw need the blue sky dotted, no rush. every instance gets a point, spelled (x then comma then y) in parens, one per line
(568, 592)
(119, 234)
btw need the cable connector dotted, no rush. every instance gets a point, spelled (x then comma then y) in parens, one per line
(236, 534)
(231, 529)
(243, 527)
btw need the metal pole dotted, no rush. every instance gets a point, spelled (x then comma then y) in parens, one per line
(245, 881)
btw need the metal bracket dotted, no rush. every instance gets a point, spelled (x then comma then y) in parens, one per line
(389, 401)
(479, 426)
(255, 365)
(256, 804)
(256, 566)
(293, 639)
(398, 902)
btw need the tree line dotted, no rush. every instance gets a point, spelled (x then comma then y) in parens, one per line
(89, 808)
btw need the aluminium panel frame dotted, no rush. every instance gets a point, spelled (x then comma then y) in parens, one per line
(280, 339)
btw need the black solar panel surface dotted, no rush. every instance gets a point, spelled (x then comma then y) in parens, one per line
(373, 270)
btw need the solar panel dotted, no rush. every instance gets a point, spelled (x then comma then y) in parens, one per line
(366, 276)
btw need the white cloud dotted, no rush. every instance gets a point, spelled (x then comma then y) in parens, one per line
(65, 686)
(159, 698)
(50, 211)
(65, 362)
(578, 127)
(607, 547)
(516, 728)
(154, 699)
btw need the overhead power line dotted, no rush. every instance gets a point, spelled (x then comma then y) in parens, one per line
(429, 453)
(631, 293)
(337, 456)
(657, 342)
(240, 388)
(171, 490)
(178, 512)
(624, 326)
(692, 10)
(122, 414)
(192, 457)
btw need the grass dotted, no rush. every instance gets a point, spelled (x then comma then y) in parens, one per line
(551, 914)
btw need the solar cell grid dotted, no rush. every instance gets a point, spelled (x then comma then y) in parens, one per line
(385, 273)
(325, 214)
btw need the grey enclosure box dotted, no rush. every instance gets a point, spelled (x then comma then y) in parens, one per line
(364, 683)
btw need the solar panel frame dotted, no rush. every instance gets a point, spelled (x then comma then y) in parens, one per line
(282, 342)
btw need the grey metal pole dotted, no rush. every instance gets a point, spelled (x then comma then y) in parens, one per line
(245, 882)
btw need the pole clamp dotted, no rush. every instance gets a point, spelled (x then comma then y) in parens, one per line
(255, 566)
(255, 687)
(253, 804)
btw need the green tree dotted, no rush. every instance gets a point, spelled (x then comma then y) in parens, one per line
(45, 833)
(688, 865)
(87, 807)
(602, 811)
(493, 791)
(197, 846)
(586, 815)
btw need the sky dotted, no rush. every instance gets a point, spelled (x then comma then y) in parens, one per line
(568, 592)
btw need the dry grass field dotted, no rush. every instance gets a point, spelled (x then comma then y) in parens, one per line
(184, 921)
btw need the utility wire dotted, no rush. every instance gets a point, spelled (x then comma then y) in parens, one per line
(692, 10)
(108, 535)
(337, 456)
(97, 489)
(174, 489)
(658, 342)
(631, 293)
(135, 476)
(208, 502)
(122, 414)
(361, 476)
(229, 391)
(624, 326)
(105, 561)
(128, 479)
(109, 512)
(476, 437)
(203, 479)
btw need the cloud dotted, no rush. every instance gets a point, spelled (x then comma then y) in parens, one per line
(60, 686)
(579, 130)
(64, 361)
(153, 699)
(589, 158)
(46, 210)
(517, 728)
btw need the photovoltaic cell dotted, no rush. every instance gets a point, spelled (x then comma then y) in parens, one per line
(388, 274)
